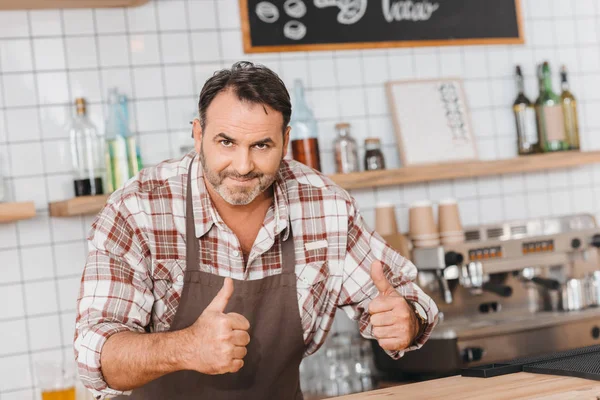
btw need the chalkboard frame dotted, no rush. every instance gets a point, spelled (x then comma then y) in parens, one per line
(249, 48)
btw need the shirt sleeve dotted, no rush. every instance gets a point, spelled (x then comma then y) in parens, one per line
(363, 247)
(115, 293)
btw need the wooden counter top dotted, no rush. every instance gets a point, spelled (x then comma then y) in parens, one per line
(517, 386)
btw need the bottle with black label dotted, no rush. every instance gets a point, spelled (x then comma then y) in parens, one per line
(524, 111)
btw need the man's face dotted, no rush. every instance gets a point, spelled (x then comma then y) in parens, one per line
(241, 147)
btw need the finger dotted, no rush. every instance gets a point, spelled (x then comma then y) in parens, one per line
(236, 365)
(222, 298)
(390, 332)
(379, 279)
(394, 344)
(386, 318)
(239, 352)
(241, 338)
(238, 321)
(382, 304)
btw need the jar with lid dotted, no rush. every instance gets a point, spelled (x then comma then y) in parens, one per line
(373, 156)
(346, 150)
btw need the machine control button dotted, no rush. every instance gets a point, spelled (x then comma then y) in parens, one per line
(471, 354)
(576, 243)
(595, 332)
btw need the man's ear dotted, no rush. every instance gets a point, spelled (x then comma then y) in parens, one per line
(286, 140)
(197, 134)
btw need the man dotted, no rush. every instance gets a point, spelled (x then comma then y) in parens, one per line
(211, 276)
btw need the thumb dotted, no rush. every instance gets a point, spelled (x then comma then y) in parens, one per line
(222, 298)
(379, 278)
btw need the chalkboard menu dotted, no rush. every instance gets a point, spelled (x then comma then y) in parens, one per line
(300, 25)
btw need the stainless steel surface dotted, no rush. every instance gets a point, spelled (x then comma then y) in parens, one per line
(573, 295)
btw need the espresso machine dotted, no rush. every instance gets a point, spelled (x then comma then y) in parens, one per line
(511, 290)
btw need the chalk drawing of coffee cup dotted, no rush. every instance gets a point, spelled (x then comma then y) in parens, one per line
(267, 12)
(294, 30)
(295, 8)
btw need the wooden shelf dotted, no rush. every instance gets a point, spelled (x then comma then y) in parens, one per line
(38, 4)
(10, 212)
(83, 205)
(470, 169)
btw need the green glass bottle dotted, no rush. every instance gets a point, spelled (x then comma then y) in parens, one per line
(549, 113)
(569, 106)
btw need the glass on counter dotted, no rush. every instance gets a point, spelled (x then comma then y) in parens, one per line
(87, 153)
(304, 133)
(373, 156)
(56, 380)
(344, 365)
(345, 150)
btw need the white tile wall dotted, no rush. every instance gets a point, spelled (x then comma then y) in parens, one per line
(160, 54)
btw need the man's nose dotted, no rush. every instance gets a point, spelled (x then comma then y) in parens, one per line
(243, 163)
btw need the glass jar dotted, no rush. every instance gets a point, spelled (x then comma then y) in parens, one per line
(373, 156)
(346, 150)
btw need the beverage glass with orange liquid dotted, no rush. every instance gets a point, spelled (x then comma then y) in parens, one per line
(55, 380)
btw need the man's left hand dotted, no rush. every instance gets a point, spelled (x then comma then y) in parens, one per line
(395, 324)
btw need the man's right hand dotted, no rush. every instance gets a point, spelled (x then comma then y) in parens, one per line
(218, 340)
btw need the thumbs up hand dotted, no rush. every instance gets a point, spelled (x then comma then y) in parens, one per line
(217, 341)
(395, 324)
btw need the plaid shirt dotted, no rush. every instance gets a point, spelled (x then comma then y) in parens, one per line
(134, 271)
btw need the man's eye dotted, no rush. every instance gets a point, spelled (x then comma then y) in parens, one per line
(262, 146)
(226, 143)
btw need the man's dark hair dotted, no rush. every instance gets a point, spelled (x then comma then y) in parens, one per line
(254, 83)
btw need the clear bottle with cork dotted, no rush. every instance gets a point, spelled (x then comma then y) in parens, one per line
(87, 153)
(569, 106)
(373, 156)
(304, 134)
(345, 150)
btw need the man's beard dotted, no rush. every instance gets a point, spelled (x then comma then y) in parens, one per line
(240, 196)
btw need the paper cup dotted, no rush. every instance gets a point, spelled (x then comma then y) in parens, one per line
(421, 221)
(449, 217)
(385, 220)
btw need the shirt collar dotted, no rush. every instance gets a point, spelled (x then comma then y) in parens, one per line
(205, 215)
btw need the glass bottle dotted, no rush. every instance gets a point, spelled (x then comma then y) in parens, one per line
(569, 107)
(346, 150)
(134, 155)
(86, 153)
(551, 124)
(304, 134)
(527, 133)
(116, 147)
(373, 156)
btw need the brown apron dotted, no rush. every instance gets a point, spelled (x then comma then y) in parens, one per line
(271, 367)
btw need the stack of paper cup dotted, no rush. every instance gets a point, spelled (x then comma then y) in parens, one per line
(422, 228)
(385, 219)
(450, 228)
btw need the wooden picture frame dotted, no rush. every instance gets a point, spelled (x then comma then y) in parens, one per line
(250, 48)
(431, 121)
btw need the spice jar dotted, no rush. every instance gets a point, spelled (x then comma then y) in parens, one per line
(346, 150)
(373, 156)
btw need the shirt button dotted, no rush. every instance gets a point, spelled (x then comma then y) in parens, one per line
(236, 253)
(180, 278)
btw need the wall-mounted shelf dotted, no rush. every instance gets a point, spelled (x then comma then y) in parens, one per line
(470, 169)
(83, 205)
(11, 212)
(37, 4)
